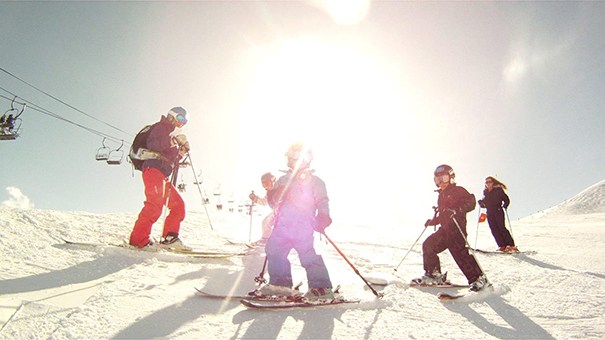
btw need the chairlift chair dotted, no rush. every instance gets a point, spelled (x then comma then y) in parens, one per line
(13, 133)
(115, 156)
(103, 152)
(11, 130)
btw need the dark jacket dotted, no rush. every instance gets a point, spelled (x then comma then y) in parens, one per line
(494, 200)
(453, 198)
(159, 140)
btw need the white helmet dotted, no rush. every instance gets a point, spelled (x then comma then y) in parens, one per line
(179, 114)
(298, 151)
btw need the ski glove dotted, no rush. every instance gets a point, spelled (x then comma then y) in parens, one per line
(481, 203)
(429, 222)
(322, 221)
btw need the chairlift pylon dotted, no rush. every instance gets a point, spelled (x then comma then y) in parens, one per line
(115, 156)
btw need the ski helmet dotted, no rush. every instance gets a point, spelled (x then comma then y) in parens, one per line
(441, 172)
(299, 152)
(179, 114)
(266, 177)
(444, 169)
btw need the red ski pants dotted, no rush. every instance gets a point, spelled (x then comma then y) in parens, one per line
(157, 191)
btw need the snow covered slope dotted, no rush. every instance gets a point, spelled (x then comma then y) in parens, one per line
(52, 290)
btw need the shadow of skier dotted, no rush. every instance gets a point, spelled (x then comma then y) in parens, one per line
(268, 325)
(82, 272)
(545, 265)
(521, 326)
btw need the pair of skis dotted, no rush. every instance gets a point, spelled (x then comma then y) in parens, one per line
(190, 253)
(526, 252)
(443, 296)
(277, 302)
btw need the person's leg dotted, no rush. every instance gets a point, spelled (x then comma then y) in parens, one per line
(433, 245)
(154, 182)
(176, 205)
(277, 249)
(317, 273)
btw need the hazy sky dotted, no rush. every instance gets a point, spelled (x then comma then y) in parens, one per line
(384, 92)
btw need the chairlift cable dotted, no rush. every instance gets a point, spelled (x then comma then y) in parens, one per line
(56, 116)
(64, 103)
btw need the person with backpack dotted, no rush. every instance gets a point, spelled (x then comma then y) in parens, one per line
(453, 203)
(495, 201)
(300, 201)
(162, 146)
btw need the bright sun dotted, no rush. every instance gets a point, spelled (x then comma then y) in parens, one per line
(314, 91)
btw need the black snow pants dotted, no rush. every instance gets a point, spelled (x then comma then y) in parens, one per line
(449, 237)
(495, 219)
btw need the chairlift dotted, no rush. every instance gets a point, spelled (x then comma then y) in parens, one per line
(115, 156)
(7, 133)
(199, 180)
(103, 152)
(10, 128)
(181, 186)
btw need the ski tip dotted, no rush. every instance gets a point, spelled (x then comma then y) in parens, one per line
(449, 297)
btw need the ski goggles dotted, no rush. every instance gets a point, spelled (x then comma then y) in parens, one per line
(444, 178)
(182, 118)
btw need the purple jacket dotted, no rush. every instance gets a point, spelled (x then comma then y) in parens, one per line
(298, 200)
(159, 140)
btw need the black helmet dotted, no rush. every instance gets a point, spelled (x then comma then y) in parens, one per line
(441, 172)
(444, 169)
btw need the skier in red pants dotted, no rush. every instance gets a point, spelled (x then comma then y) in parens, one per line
(158, 189)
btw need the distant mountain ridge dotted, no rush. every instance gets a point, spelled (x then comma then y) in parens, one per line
(590, 201)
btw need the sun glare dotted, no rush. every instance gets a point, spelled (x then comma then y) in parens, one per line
(342, 101)
(344, 12)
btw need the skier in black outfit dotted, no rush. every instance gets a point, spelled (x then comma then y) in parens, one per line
(495, 200)
(453, 203)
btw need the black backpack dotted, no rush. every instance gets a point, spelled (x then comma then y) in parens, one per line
(140, 141)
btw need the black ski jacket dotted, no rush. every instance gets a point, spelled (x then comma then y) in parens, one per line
(453, 198)
(494, 200)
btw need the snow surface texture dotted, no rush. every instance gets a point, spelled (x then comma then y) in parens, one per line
(49, 290)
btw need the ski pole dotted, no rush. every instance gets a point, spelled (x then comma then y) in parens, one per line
(198, 185)
(466, 241)
(418, 239)
(410, 249)
(509, 224)
(378, 295)
(477, 231)
(260, 279)
(250, 231)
